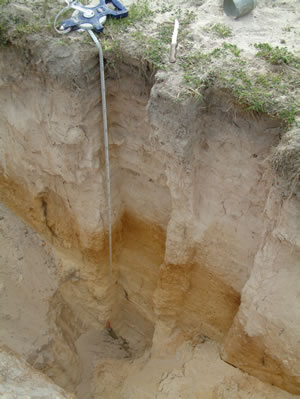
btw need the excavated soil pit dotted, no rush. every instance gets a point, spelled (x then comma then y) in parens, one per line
(188, 194)
(205, 239)
(29, 279)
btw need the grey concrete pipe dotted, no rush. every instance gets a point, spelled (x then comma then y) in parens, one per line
(238, 8)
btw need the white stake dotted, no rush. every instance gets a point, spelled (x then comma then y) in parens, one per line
(174, 41)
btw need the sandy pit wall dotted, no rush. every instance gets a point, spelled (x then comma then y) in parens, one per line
(189, 190)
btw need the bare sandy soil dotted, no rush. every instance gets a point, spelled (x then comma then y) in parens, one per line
(109, 367)
(28, 281)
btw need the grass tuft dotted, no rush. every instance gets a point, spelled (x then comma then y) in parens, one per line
(153, 50)
(269, 92)
(220, 30)
(233, 48)
(4, 40)
(277, 55)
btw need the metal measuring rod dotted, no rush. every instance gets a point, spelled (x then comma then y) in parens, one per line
(92, 18)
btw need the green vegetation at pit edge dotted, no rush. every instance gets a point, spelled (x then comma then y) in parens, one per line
(277, 55)
(270, 92)
(219, 30)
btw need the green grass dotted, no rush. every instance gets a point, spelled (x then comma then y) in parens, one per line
(248, 92)
(166, 8)
(269, 92)
(222, 66)
(200, 60)
(261, 92)
(155, 48)
(27, 27)
(287, 28)
(4, 36)
(289, 114)
(137, 12)
(165, 31)
(232, 48)
(152, 49)
(187, 18)
(4, 40)
(277, 55)
(17, 32)
(220, 30)
(193, 61)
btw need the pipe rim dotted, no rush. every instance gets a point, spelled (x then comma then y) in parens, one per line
(230, 8)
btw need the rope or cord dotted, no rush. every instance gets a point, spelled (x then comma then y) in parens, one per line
(69, 6)
(61, 32)
(104, 114)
